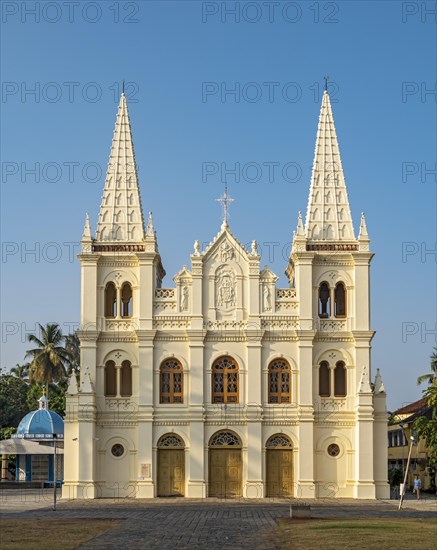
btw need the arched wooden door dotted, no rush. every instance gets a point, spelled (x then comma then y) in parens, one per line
(225, 466)
(171, 466)
(279, 466)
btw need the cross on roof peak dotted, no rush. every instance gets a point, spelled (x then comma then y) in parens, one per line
(225, 201)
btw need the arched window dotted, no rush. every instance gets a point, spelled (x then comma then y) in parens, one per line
(279, 381)
(340, 379)
(225, 380)
(324, 380)
(172, 382)
(126, 300)
(126, 379)
(340, 300)
(324, 300)
(171, 441)
(110, 379)
(110, 300)
(279, 441)
(225, 438)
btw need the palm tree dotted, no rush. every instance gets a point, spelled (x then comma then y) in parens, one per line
(431, 377)
(72, 346)
(49, 356)
(21, 371)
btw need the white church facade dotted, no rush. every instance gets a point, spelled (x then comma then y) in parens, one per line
(225, 385)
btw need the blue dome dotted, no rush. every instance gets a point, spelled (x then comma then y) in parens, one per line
(41, 424)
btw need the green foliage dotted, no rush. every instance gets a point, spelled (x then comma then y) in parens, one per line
(424, 426)
(430, 377)
(5, 433)
(427, 427)
(395, 477)
(49, 357)
(57, 396)
(13, 400)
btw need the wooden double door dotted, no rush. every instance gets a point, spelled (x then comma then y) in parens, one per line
(225, 473)
(279, 473)
(171, 472)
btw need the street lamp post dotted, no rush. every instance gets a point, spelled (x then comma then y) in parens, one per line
(412, 442)
(54, 472)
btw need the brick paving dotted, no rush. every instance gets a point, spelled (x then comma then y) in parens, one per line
(194, 523)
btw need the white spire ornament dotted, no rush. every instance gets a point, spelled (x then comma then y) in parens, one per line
(150, 229)
(300, 230)
(363, 237)
(379, 384)
(86, 240)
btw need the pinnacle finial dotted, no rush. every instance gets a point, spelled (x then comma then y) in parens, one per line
(379, 384)
(87, 229)
(225, 200)
(300, 230)
(150, 230)
(122, 88)
(363, 227)
(326, 78)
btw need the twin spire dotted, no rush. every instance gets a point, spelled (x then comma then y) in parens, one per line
(121, 216)
(328, 215)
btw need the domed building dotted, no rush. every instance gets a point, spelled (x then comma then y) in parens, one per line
(35, 462)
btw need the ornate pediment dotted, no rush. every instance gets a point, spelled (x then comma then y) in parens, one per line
(266, 275)
(183, 276)
(225, 248)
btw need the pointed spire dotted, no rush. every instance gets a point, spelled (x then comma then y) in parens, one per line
(300, 230)
(86, 240)
(87, 229)
(365, 381)
(86, 385)
(328, 214)
(379, 384)
(72, 384)
(363, 228)
(150, 230)
(121, 216)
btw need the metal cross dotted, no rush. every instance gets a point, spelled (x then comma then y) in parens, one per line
(225, 200)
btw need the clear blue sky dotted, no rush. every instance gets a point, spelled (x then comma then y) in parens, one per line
(166, 51)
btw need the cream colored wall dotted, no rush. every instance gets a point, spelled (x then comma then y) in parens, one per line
(139, 422)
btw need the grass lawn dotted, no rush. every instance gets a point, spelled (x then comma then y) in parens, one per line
(50, 534)
(380, 534)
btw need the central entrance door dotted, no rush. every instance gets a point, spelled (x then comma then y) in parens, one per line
(225, 466)
(171, 466)
(279, 466)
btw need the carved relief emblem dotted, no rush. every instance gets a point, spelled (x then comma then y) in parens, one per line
(226, 252)
(225, 285)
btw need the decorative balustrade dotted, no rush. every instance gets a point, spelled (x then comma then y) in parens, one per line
(165, 300)
(332, 325)
(285, 293)
(117, 325)
(165, 293)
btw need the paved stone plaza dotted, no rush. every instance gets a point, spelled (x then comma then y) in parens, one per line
(196, 524)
